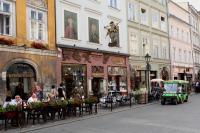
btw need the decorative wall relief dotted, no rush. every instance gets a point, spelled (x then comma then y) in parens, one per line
(37, 3)
(86, 56)
(105, 58)
(76, 55)
(67, 55)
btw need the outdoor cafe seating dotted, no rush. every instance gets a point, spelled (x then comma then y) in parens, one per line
(45, 111)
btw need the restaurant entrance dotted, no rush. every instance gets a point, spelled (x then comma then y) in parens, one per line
(19, 79)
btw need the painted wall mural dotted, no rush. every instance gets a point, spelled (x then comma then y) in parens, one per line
(93, 25)
(70, 25)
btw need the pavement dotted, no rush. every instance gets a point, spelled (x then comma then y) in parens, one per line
(151, 118)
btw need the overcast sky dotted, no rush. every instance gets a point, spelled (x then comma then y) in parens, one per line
(195, 3)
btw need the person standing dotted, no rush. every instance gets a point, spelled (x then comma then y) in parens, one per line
(61, 93)
(53, 93)
(19, 90)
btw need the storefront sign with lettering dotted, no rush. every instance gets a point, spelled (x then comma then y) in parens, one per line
(118, 61)
(116, 71)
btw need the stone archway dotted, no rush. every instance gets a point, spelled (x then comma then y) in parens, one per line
(26, 61)
(164, 73)
(20, 71)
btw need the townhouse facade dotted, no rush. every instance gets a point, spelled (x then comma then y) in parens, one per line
(27, 45)
(148, 33)
(195, 40)
(180, 41)
(92, 42)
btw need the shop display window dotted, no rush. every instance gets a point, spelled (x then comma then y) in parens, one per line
(74, 78)
(117, 79)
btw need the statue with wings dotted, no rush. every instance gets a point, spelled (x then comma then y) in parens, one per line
(113, 32)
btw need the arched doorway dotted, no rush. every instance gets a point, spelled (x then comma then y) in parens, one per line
(19, 79)
(164, 73)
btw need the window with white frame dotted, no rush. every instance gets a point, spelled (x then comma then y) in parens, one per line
(190, 57)
(188, 39)
(164, 52)
(37, 24)
(185, 55)
(185, 37)
(132, 12)
(155, 19)
(5, 17)
(144, 16)
(155, 51)
(134, 46)
(180, 55)
(177, 36)
(113, 3)
(174, 53)
(182, 35)
(172, 30)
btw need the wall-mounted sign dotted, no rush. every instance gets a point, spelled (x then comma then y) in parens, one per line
(116, 71)
(118, 61)
(97, 71)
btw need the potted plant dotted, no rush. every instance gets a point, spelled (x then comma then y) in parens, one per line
(10, 111)
(6, 41)
(36, 105)
(91, 100)
(39, 45)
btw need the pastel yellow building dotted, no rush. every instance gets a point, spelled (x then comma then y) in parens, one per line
(27, 46)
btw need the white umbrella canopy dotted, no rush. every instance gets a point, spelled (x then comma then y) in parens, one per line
(157, 80)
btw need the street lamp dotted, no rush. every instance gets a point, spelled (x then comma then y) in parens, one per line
(148, 68)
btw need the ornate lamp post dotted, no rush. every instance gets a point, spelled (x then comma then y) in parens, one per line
(148, 68)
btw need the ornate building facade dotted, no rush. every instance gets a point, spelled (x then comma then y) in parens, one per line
(92, 41)
(27, 45)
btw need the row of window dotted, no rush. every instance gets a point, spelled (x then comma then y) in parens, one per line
(197, 58)
(142, 14)
(36, 21)
(158, 49)
(180, 55)
(195, 39)
(179, 34)
(194, 22)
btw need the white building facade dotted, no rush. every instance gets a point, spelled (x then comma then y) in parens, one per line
(88, 56)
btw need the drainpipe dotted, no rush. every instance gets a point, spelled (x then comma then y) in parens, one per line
(171, 67)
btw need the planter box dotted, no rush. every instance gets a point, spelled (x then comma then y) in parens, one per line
(143, 98)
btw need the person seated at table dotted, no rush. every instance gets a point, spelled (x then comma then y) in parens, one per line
(17, 100)
(33, 98)
(7, 102)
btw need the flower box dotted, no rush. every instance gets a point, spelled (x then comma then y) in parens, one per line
(6, 41)
(39, 45)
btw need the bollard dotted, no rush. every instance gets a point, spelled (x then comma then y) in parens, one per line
(96, 108)
(111, 104)
(130, 100)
